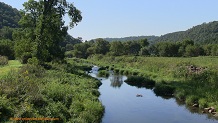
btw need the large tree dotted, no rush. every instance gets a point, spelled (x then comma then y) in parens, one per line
(43, 20)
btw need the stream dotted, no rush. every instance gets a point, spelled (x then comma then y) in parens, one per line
(122, 105)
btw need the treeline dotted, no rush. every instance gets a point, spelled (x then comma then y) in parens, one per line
(185, 48)
(101, 46)
(132, 38)
(13, 48)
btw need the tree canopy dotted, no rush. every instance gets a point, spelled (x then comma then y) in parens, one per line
(43, 25)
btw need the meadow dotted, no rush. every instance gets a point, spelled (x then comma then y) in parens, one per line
(193, 80)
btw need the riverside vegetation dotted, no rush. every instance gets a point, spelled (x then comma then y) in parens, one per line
(192, 79)
(61, 91)
(44, 85)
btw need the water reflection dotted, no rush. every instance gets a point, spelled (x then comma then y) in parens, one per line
(116, 80)
(140, 85)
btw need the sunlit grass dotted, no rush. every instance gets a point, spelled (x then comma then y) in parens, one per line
(13, 65)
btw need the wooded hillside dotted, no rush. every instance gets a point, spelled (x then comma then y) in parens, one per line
(9, 16)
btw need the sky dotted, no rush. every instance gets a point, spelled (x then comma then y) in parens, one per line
(123, 18)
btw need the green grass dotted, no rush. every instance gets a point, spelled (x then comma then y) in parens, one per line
(64, 91)
(12, 65)
(158, 68)
(103, 73)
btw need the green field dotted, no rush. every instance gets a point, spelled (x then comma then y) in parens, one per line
(198, 86)
(13, 65)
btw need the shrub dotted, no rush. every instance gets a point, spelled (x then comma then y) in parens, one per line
(116, 70)
(121, 71)
(180, 94)
(126, 72)
(3, 60)
(32, 70)
(25, 57)
(191, 99)
(33, 61)
(6, 109)
(202, 103)
(103, 73)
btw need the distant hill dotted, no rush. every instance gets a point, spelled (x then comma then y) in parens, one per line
(9, 16)
(132, 38)
(206, 33)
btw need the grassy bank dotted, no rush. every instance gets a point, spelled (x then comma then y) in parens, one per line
(193, 80)
(61, 91)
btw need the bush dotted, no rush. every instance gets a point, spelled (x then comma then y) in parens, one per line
(33, 61)
(116, 70)
(191, 99)
(6, 109)
(32, 70)
(3, 60)
(180, 94)
(103, 73)
(25, 57)
(202, 103)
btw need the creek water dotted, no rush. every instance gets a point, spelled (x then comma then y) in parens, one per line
(123, 106)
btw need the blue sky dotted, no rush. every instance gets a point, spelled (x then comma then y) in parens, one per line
(122, 18)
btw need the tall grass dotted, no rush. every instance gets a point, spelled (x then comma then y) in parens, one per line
(60, 92)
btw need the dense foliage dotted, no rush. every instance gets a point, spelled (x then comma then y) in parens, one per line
(185, 48)
(43, 29)
(206, 33)
(101, 46)
(64, 92)
(9, 16)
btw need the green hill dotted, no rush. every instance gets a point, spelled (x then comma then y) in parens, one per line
(9, 16)
(206, 33)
